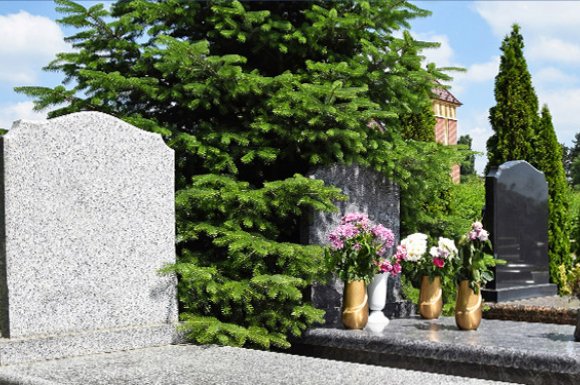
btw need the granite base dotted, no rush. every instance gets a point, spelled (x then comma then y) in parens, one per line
(521, 352)
(519, 292)
(13, 351)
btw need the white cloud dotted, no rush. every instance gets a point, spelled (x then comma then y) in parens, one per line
(27, 43)
(482, 72)
(554, 49)
(553, 76)
(551, 35)
(441, 56)
(476, 73)
(478, 128)
(22, 110)
(539, 16)
(550, 28)
(563, 104)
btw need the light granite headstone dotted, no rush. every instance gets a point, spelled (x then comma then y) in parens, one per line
(87, 219)
(369, 192)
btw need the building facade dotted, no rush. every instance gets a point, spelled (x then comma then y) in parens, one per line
(445, 110)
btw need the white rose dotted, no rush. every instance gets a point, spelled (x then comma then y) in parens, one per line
(434, 251)
(483, 235)
(416, 246)
(449, 245)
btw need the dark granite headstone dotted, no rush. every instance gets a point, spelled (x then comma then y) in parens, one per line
(371, 193)
(516, 216)
(577, 331)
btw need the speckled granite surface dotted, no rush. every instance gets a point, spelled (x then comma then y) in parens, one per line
(523, 352)
(369, 192)
(196, 365)
(18, 350)
(87, 219)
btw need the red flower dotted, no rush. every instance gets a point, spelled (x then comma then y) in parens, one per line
(439, 262)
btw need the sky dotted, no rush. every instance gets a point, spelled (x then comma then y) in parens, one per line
(470, 33)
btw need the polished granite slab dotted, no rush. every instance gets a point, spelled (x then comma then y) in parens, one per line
(529, 353)
(513, 191)
(205, 365)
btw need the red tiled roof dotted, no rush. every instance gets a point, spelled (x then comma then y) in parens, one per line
(446, 96)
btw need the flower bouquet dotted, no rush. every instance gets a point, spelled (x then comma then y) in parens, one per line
(431, 267)
(357, 252)
(474, 271)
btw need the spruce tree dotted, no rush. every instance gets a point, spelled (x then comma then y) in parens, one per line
(253, 95)
(514, 118)
(551, 164)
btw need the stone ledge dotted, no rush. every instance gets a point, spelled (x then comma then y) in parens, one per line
(13, 351)
(204, 365)
(520, 352)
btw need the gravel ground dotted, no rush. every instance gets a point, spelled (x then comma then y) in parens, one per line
(566, 302)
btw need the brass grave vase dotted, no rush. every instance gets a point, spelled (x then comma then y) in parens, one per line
(355, 306)
(430, 297)
(468, 307)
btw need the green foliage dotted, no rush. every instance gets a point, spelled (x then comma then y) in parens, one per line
(419, 125)
(570, 279)
(252, 95)
(571, 159)
(469, 200)
(427, 197)
(549, 160)
(574, 151)
(467, 166)
(520, 133)
(449, 289)
(575, 173)
(566, 161)
(475, 262)
(574, 218)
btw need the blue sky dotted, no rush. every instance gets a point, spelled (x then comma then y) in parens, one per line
(470, 34)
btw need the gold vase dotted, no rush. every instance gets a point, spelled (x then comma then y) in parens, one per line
(468, 307)
(355, 307)
(430, 297)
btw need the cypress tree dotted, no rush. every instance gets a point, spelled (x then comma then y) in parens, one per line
(252, 95)
(520, 133)
(514, 118)
(550, 162)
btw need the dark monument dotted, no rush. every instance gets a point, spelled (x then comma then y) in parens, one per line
(516, 215)
(368, 192)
